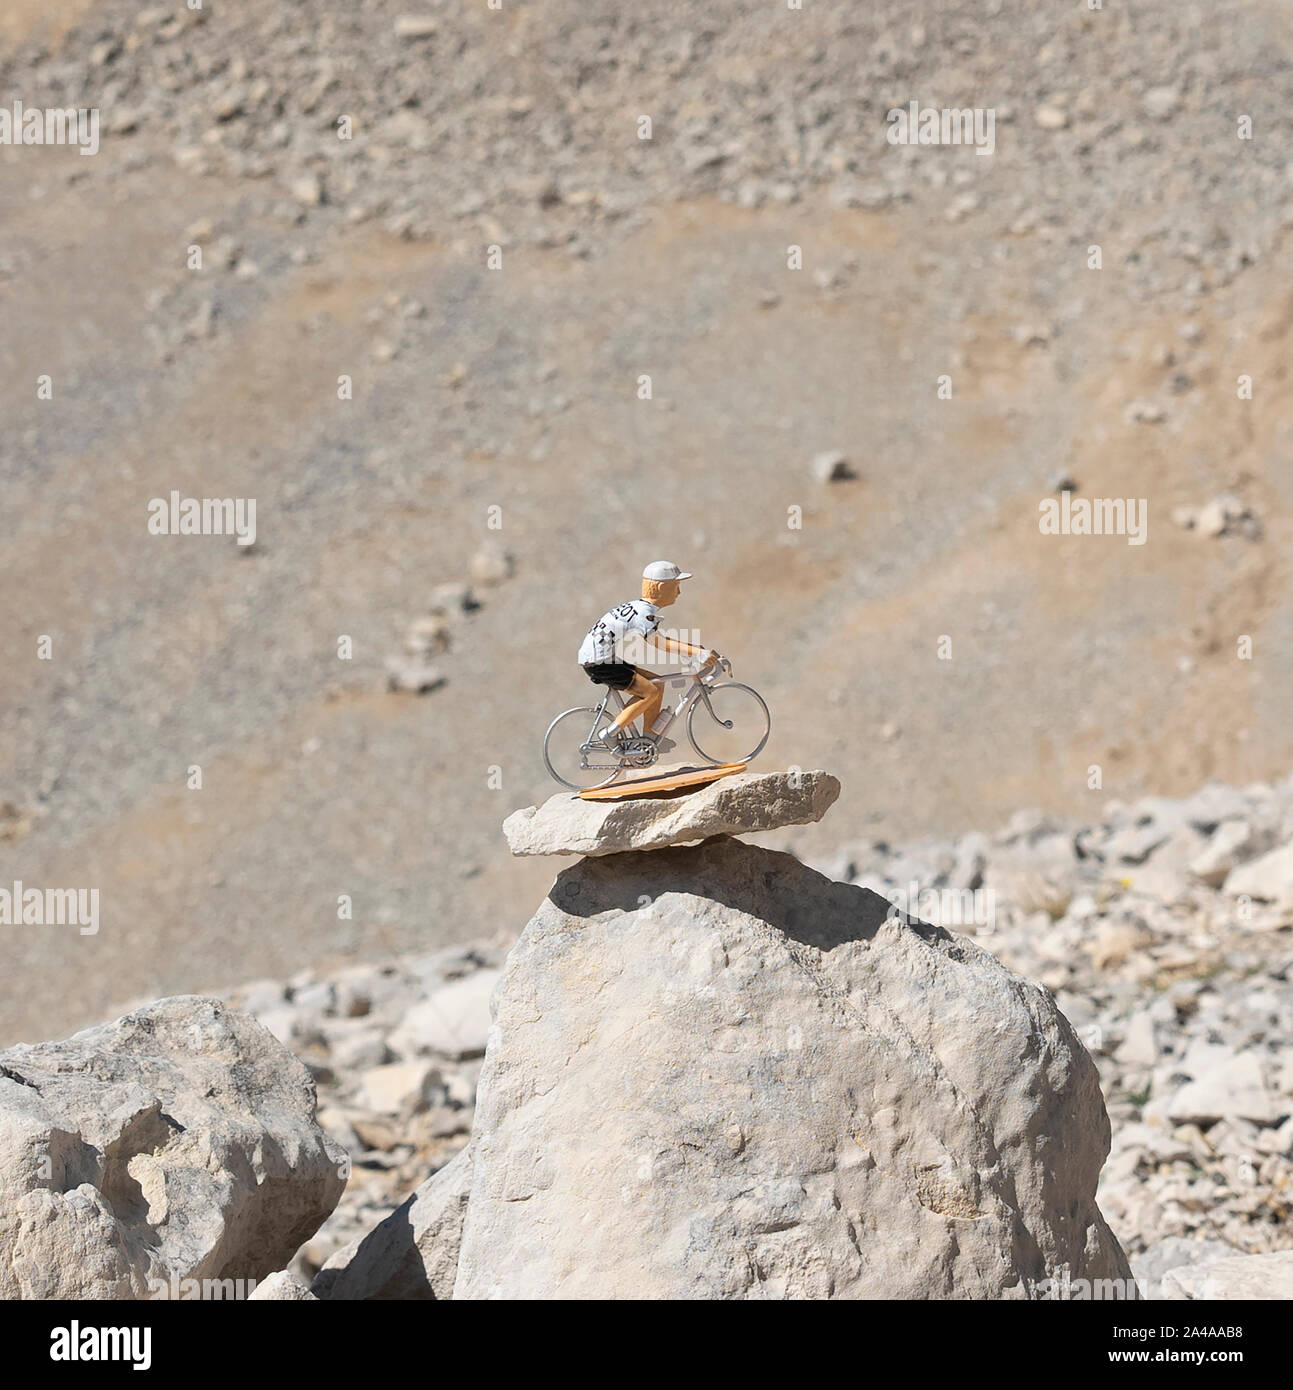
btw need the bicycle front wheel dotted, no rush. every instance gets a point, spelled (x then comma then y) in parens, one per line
(568, 756)
(732, 726)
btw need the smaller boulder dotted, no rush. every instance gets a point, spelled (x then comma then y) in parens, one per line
(281, 1288)
(452, 1022)
(413, 1254)
(1234, 1277)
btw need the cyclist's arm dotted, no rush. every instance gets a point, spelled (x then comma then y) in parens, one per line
(672, 644)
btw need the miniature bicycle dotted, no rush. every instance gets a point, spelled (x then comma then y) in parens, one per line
(726, 723)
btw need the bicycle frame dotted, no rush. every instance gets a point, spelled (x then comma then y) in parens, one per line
(693, 686)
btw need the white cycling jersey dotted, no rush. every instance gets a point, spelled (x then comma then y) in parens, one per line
(604, 639)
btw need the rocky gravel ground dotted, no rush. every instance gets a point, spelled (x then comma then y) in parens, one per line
(531, 115)
(1164, 930)
(395, 1051)
(513, 395)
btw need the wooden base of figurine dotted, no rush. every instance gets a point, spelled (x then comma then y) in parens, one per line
(675, 779)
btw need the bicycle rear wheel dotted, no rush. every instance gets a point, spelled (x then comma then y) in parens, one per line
(567, 756)
(736, 728)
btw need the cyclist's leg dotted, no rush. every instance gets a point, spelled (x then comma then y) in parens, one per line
(657, 681)
(648, 696)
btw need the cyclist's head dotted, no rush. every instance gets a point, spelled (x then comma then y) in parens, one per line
(661, 582)
(661, 592)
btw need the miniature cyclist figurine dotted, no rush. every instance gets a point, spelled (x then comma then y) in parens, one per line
(602, 653)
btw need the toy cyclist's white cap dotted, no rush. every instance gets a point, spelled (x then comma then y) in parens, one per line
(664, 569)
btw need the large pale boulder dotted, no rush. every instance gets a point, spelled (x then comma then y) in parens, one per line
(177, 1143)
(713, 1073)
(738, 805)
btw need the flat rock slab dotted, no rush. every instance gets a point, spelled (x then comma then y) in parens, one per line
(667, 781)
(738, 805)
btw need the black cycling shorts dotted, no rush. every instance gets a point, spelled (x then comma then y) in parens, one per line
(617, 674)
